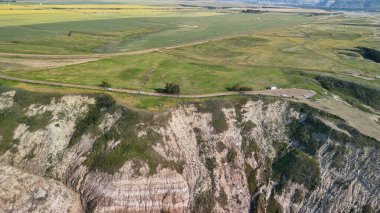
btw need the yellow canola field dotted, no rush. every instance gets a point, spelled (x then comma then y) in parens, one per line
(6, 9)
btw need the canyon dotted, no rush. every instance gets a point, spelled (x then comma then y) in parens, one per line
(243, 154)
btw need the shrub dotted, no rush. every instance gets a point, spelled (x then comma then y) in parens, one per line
(220, 147)
(210, 163)
(172, 88)
(105, 102)
(105, 84)
(338, 158)
(250, 173)
(203, 202)
(231, 155)
(297, 196)
(367, 209)
(223, 198)
(298, 167)
(258, 203)
(274, 206)
(239, 88)
(248, 146)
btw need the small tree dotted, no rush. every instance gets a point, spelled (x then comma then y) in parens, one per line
(172, 88)
(105, 102)
(105, 84)
(239, 88)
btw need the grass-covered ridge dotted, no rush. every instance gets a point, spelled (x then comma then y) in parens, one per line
(365, 94)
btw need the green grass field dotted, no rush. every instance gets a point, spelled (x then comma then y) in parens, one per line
(288, 57)
(133, 33)
(254, 50)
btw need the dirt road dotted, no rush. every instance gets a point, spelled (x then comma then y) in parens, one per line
(362, 121)
(292, 93)
(39, 61)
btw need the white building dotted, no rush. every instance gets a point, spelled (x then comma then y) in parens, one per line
(273, 87)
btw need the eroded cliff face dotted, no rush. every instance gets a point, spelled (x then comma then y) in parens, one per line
(246, 154)
(24, 192)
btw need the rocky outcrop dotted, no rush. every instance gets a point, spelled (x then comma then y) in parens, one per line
(127, 192)
(6, 99)
(243, 155)
(23, 192)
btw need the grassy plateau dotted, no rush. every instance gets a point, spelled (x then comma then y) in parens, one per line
(254, 50)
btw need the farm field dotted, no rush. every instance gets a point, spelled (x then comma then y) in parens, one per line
(110, 28)
(288, 50)
(287, 57)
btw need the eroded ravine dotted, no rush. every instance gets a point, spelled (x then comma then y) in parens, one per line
(245, 154)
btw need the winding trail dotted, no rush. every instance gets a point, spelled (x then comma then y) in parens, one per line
(36, 61)
(292, 93)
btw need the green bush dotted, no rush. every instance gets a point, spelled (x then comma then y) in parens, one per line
(223, 198)
(105, 102)
(172, 88)
(105, 84)
(220, 147)
(297, 196)
(297, 167)
(367, 209)
(338, 159)
(250, 173)
(239, 88)
(231, 155)
(203, 202)
(273, 206)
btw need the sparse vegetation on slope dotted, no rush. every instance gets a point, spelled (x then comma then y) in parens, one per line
(214, 107)
(104, 103)
(367, 95)
(10, 118)
(130, 146)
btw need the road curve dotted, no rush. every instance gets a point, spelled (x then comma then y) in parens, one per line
(292, 93)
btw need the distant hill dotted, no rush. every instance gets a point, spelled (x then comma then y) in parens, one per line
(370, 5)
